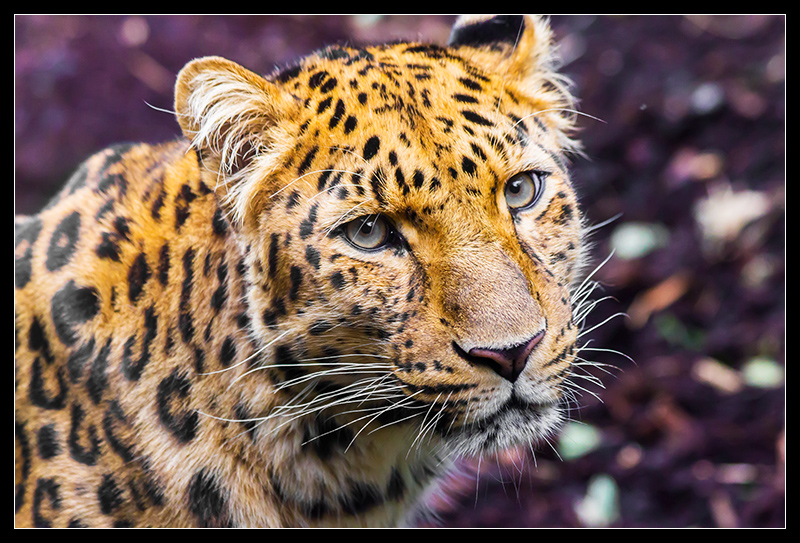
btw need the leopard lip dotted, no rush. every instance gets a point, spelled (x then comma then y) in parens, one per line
(515, 403)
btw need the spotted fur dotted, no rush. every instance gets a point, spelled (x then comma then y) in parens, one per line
(198, 343)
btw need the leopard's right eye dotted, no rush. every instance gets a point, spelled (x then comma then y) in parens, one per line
(369, 233)
(523, 190)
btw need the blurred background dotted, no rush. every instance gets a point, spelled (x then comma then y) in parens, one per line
(688, 154)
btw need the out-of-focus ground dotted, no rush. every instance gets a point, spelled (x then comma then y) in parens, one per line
(689, 149)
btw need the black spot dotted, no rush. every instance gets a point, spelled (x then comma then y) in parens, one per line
(158, 203)
(312, 256)
(397, 487)
(329, 85)
(163, 265)
(72, 306)
(320, 327)
(228, 351)
(206, 501)
(288, 74)
(38, 395)
(401, 180)
(478, 152)
(109, 495)
(269, 318)
(323, 105)
(138, 274)
(62, 242)
(272, 259)
(98, 380)
(350, 124)
(296, 277)
(371, 147)
(323, 178)
(465, 99)
(221, 294)
(307, 226)
(77, 360)
(307, 160)
(132, 369)
(316, 79)
(293, 200)
(375, 183)
(470, 83)
(37, 340)
(337, 280)
(199, 360)
(419, 179)
(113, 418)
(122, 228)
(473, 117)
(80, 454)
(246, 420)
(325, 436)
(218, 223)
(45, 488)
(47, 439)
(108, 247)
(183, 425)
(28, 233)
(468, 166)
(182, 202)
(338, 113)
(361, 498)
(185, 322)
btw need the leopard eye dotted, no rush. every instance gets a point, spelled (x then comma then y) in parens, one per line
(523, 190)
(369, 232)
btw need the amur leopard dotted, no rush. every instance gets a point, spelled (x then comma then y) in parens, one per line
(344, 276)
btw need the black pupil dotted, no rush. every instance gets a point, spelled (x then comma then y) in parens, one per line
(516, 186)
(367, 226)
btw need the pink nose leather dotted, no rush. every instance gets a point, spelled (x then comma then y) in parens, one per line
(508, 362)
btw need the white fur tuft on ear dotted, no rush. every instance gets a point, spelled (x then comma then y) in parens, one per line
(229, 114)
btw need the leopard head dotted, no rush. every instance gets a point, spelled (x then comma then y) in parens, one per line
(412, 236)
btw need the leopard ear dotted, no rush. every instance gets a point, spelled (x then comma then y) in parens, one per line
(519, 47)
(230, 115)
(519, 44)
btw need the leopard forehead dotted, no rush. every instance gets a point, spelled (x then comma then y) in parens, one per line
(408, 129)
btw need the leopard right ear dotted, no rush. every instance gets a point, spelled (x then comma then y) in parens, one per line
(231, 116)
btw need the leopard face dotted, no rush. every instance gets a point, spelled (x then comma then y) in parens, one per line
(434, 232)
(374, 252)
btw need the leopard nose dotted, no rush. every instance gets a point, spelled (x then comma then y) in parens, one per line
(506, 362)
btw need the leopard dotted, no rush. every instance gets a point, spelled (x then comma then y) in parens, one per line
(338, 280)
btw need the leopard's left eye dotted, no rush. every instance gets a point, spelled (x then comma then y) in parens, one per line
(369, 232)
(524, 189)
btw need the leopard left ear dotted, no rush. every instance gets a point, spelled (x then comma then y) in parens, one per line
(519, 47)
(520, 50)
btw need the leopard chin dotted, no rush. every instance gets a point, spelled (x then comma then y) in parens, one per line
(513, 423)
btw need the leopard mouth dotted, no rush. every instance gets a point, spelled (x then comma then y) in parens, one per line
(516, 422)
